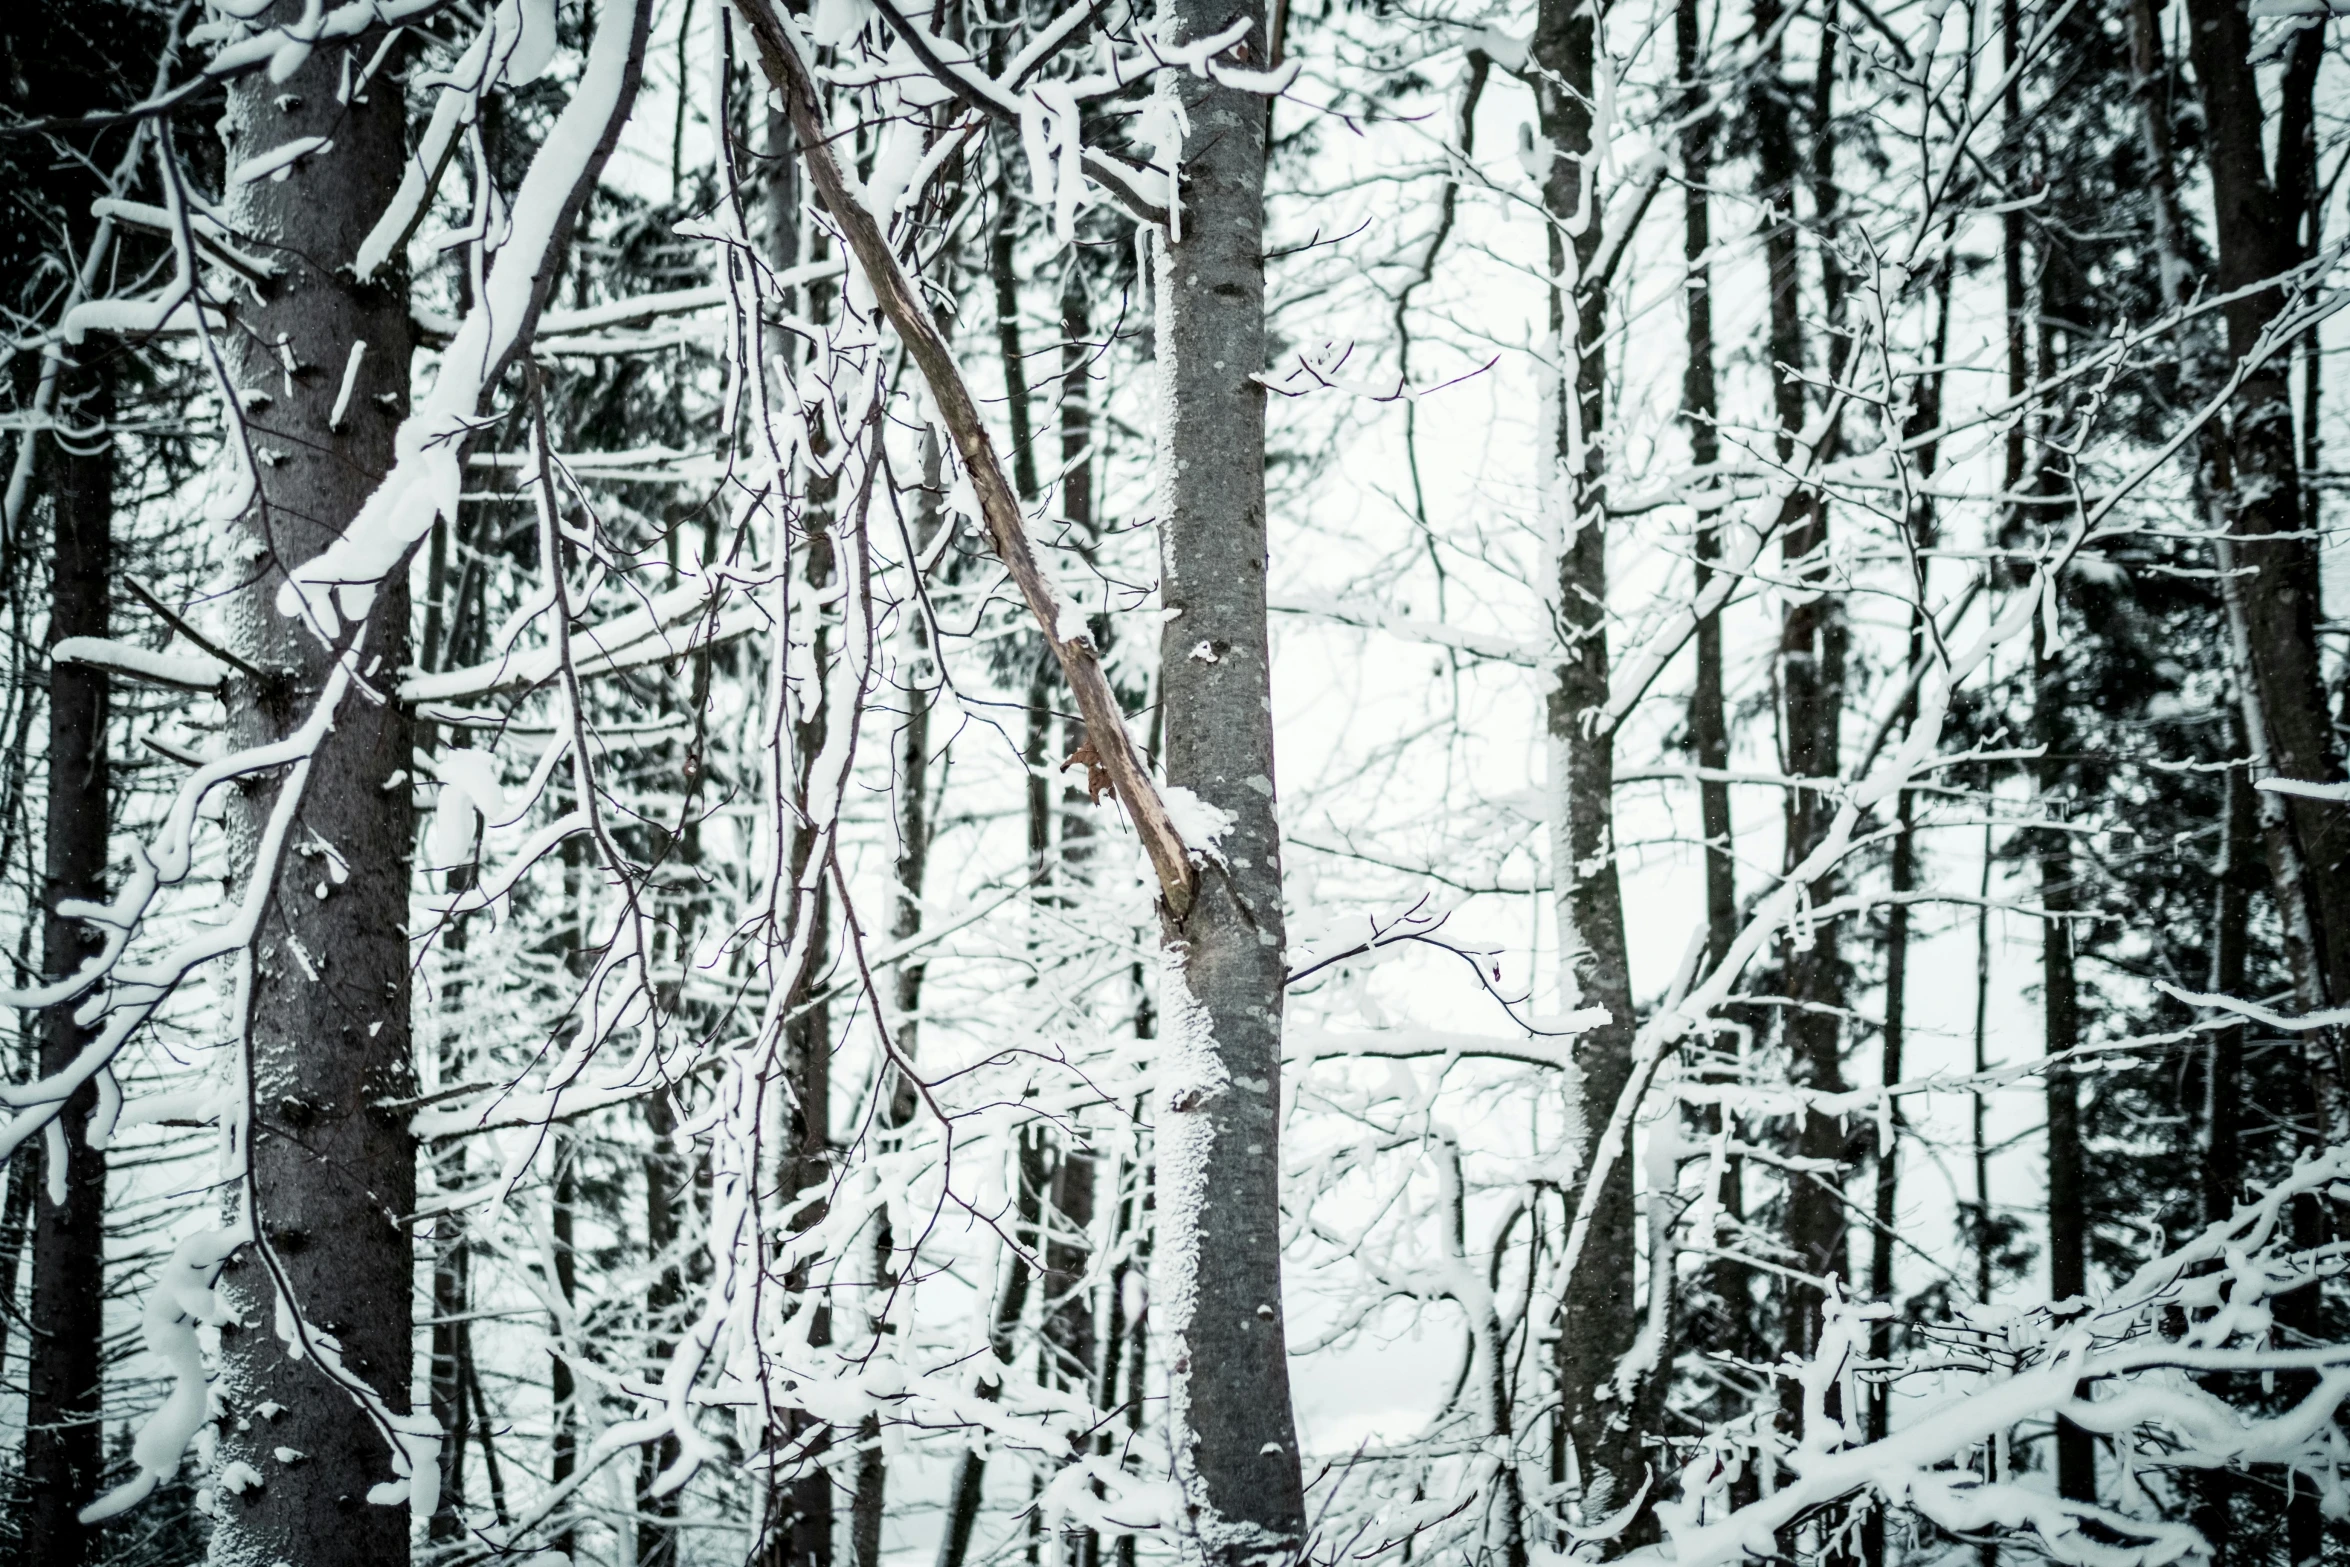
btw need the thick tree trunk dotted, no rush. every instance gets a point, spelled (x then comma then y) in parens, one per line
(1218, 1300)
(2258, 228)
(65, 1357)
(1596, 1452)
(333, 1171)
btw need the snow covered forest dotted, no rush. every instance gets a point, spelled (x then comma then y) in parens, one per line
(826, 783)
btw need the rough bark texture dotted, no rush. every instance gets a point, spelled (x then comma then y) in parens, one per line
(1597, 1451)
(66, 1354)
(333, 1172)
(1239, 1464)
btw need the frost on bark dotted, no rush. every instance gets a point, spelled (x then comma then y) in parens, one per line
(332, 1165)
(1217, 1294)
(1596, 1451)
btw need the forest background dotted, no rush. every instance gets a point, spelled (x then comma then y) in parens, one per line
(1240, 782)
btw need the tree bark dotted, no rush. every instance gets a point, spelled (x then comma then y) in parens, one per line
(2258, 228)
(1596, 1452)
(332, 1170)
(1218, 1300)
(65, 1356)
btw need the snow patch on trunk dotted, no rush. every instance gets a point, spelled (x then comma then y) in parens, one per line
(1199, 824)
(1191, 1075)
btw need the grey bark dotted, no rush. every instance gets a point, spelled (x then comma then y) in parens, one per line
(1237, 1459)
(333, 1171)
(1596, 1450)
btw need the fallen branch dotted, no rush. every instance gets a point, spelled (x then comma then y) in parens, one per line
(788, 73)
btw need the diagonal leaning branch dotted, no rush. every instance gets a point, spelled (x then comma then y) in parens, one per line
(787, 72)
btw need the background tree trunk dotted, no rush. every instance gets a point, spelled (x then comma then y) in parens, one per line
(1597, 1453)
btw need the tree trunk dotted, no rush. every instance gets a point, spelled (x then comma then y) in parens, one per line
(2257, 225)
(665, 1192)
(1709, 734)
(65, 1355)
(1811, 677)
(2223, 1091)
(1730, 1279)
(1218, 1298)
(2060, 1009)
(1925, 416)
(332, 1172)
(563, 1383)
(1596, 1453)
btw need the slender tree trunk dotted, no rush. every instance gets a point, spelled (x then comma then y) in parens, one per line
(1596, 1453)
(332, 1171)
(800, 1528)
(1709, 733)
(1070, 1327)
(1925, 416)
(1811, 678)
(665, 1188)
(1218, 1129)
(913, 820)
(2223, 1090)
(563, 1385)
(2060, 1010)
(966, 1485)
(65, 1359)
(1731, 1278)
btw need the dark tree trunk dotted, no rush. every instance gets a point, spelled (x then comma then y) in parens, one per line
(1596, 1451)
(563, 1383)
(665, 1192)
(2258, 228)
(1219, 1121)
(333, 1169)
(2060, 1010)
(65, 1357)
(1811, 678)
(1709, 733)
(2239, 871)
